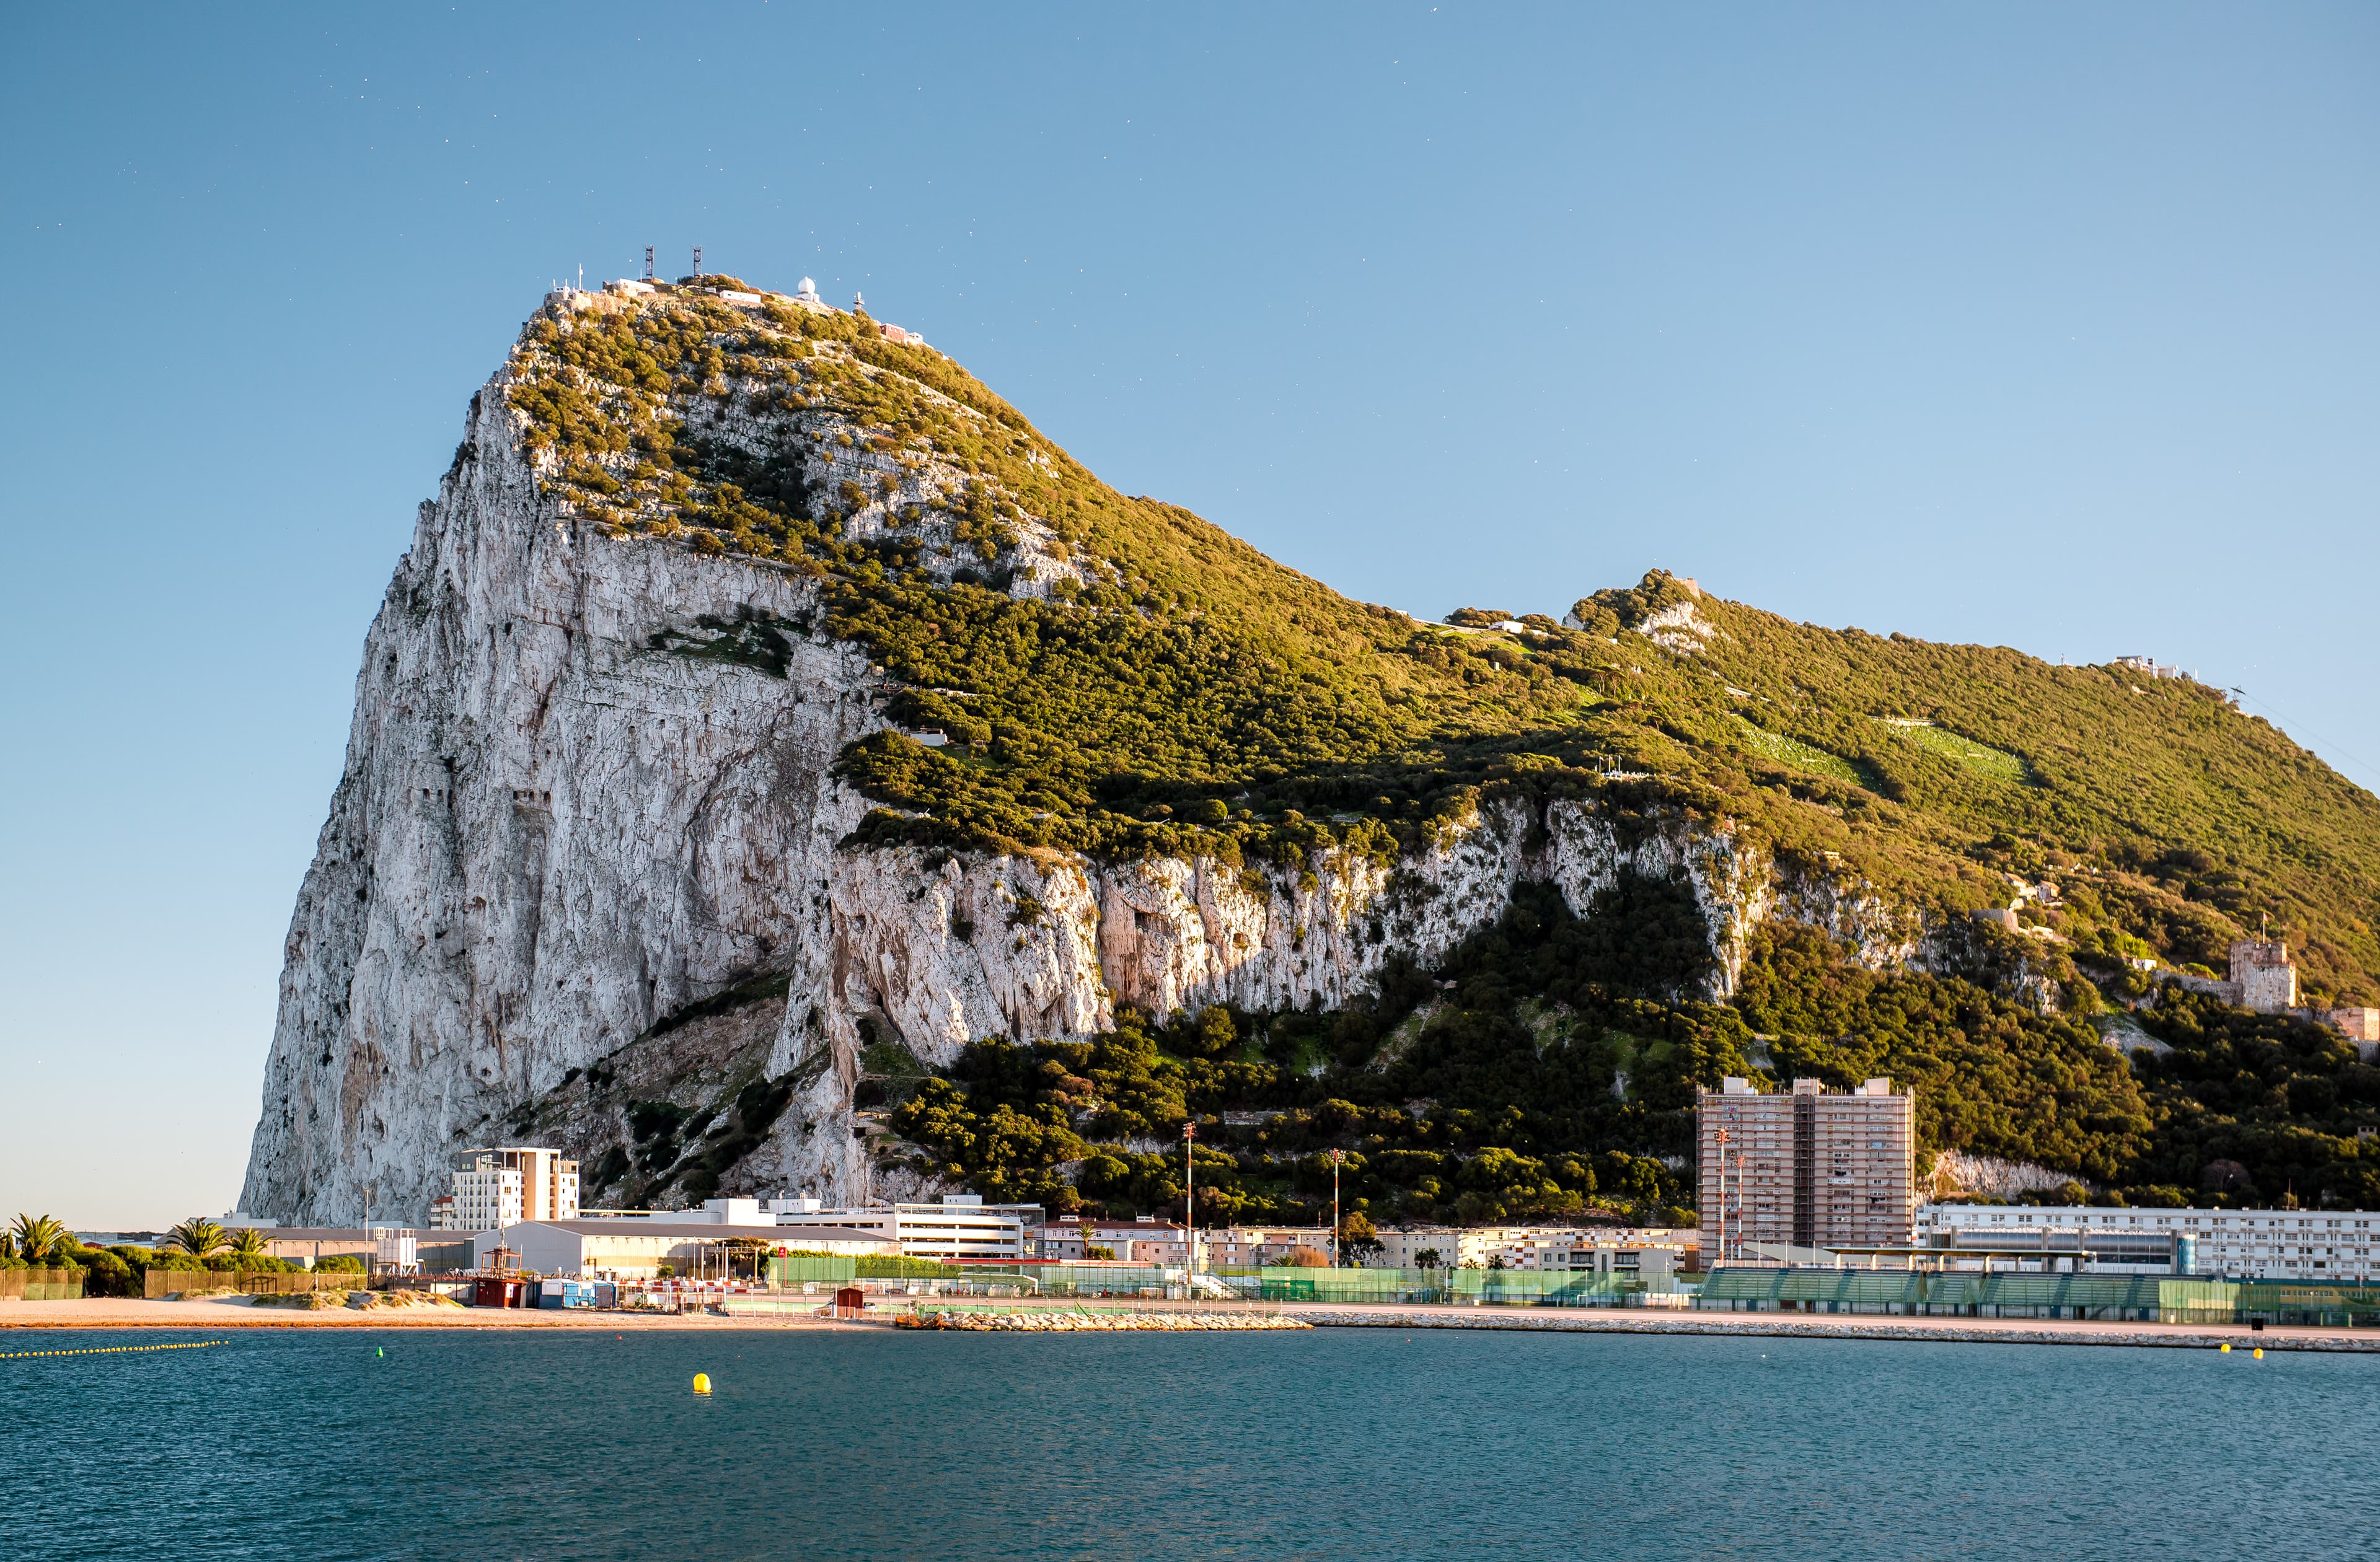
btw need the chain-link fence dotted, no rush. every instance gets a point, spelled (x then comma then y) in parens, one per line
(158, 1283)
(2112, 1297)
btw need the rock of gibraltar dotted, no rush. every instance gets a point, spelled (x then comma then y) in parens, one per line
(777, 767)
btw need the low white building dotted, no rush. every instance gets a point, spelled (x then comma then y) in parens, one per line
(1406, 1249)
(634, 1249)
(2270, 1245)
(1646, 1250)
(1148, 1239)
(960, 1225)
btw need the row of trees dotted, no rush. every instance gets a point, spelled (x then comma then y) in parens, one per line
(41, 1241)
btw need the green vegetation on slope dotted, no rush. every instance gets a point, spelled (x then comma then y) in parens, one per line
(1556, 1077)
(2160, 810)
(1190, 695)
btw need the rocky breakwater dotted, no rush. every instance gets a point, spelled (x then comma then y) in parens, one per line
(1096, 1323)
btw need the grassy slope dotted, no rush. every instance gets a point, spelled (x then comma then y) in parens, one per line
(1197, 696)
(2198, 817)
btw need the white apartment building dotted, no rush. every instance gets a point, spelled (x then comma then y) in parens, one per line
(2257, 1244)
(1540, 1247)
(1632, 1253)
(494, 1188)
(1144, 1240)
(1148, 1239)
(1403, 1250)
(961, 1225)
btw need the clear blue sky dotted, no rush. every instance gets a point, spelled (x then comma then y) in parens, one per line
(2048, 326)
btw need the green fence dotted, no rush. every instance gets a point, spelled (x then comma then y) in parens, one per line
(40, 1285)
(1078, 1279)
(824, 1268)
(1470, 1287)
(161, 1282)
(2295, 1302)
(2119, 1298)
(1489, 1288)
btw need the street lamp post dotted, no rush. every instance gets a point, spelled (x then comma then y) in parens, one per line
(1721, 1256)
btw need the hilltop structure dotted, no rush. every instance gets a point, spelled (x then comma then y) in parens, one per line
(2147, 667)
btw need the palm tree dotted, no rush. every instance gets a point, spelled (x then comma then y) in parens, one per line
(248, 1243)
(36, 1236)
(198, 1237)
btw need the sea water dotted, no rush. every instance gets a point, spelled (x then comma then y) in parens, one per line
(1335, 1443)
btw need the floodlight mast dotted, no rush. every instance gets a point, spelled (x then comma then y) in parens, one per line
(1189, 1199)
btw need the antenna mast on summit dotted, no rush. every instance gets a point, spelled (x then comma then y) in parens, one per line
(649, 262)
(697, 260)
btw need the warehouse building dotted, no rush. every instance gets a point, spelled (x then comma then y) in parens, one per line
(636, 1250)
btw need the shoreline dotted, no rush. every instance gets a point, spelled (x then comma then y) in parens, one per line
(1866, 1326)
(216, 1314)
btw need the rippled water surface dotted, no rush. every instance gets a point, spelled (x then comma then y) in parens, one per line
(1329, 1444)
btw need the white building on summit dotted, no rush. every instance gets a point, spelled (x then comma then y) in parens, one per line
(807, 292)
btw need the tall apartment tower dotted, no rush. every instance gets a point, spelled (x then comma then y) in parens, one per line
(1805, 1167)
(495, 1188)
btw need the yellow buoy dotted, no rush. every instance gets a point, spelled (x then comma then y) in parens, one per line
(2226, 1348)
(2260, 1352)
(702, 1380)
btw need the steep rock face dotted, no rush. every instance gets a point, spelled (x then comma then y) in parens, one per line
(548, 834)
(588, 791)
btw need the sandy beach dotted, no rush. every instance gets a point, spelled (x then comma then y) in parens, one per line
(215, 1313)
